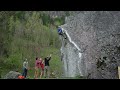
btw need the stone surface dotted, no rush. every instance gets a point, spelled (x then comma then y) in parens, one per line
(12, 75)
(97, 34)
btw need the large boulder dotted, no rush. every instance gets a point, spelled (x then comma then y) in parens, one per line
(95, 52)
(12, 75)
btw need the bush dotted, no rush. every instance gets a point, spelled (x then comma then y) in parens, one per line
(13, 62)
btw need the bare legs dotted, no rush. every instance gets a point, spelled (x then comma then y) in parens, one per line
(42, 72)
(36, 73)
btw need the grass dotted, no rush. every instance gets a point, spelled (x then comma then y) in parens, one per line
(55, 64)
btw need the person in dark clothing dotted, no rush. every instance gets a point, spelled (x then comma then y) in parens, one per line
(60, 32)
(47, 66)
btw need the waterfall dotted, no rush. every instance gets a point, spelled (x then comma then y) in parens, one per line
(71, 58)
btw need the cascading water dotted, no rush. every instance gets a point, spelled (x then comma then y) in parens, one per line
(71, 57)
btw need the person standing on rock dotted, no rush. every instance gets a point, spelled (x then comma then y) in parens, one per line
(47, 66)
(25, 68)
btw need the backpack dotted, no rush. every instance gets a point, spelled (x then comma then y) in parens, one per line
(21, 77)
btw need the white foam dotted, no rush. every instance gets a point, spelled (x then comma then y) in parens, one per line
(71, 40)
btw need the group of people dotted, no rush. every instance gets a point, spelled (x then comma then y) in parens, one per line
(41, 65)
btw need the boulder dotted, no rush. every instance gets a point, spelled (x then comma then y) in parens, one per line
(12, 75)
(92, 48)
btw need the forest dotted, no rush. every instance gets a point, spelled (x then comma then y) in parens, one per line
(27, 35)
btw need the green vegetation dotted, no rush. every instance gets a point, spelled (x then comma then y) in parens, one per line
(28, 35)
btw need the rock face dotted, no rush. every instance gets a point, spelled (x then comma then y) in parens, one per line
(12, 75)
(92, 48)
(54, 14)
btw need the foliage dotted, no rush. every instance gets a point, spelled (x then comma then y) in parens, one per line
(28, 35)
